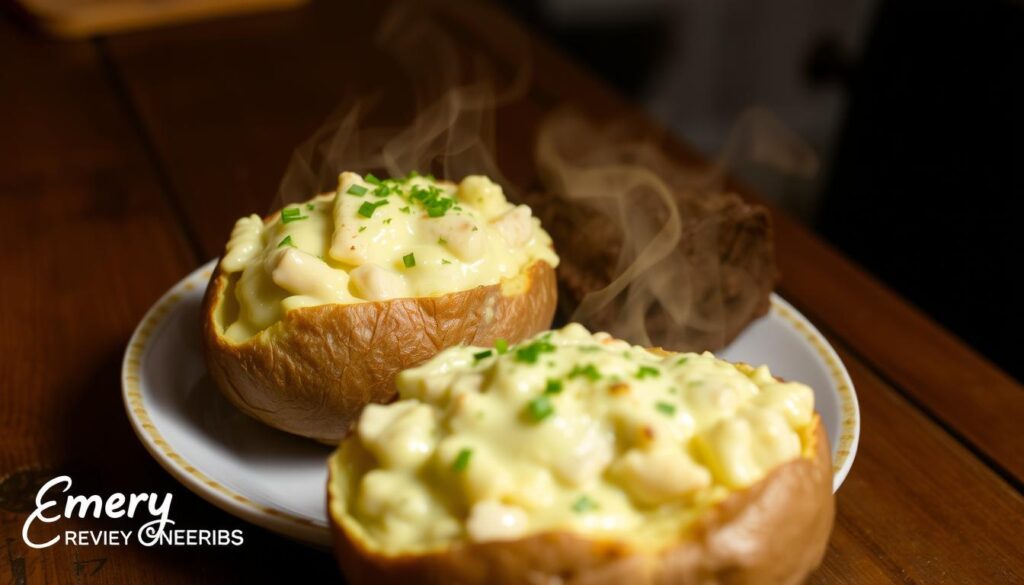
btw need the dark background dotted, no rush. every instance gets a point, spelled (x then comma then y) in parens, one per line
(914, 109)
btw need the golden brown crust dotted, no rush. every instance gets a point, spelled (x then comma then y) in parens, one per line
(774, 532)
(313, 372)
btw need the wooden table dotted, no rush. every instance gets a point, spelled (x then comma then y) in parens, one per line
(125, 161)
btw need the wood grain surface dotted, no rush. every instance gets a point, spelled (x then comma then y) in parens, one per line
(125, 161)
(91, 241)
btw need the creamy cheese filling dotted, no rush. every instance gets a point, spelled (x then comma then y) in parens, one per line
(374, 240)
(568, 431)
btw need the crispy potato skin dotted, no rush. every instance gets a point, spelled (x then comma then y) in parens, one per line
(312, 372)
(774, 532)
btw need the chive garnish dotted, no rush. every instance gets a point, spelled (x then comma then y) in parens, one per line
(436, 210)
(482, 355)
(405, 209)
(445, 261)
(583, 504)
(441, 241)
(409, 260)
(501, 345)
(361, 228)
(647, 372)
(462, 460)
(432, 199)
(530, 353)
(310, 206)
(666, 408)
(387, 221)
(287, 241)
(553, 387)
(539, 408)
(366, 209)
(588, 371)
(682, 361)
(371, 179)
(292, 214)
(357, 190)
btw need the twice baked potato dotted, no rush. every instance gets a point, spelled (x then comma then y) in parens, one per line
(577, 458)
(312, 311)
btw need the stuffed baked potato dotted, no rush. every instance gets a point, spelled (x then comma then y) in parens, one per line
(312, 311)
(577, 458)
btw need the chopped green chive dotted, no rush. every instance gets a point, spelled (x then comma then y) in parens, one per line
(382, 191)
(436, 210)
(409, 260)
(292, 214)
(445, 261)
(584, 504)
(462, 460)
(357, 190)
(682, 361)
(432, 199)
(501, 345)
(588, 371)
(405, 209)
(310, 206)
(530, 353)
(553, 387)
(647, 372)
(361, 228)
(371, 179)
(387, 221)
(441, 241)
(482, 355)
(366, 209)
(666, 408)
(287, 241)
(539, 408)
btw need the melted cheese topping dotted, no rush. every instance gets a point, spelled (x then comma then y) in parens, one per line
(569, 431)
(374, 240)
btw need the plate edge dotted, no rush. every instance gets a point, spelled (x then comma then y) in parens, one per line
(192, 478)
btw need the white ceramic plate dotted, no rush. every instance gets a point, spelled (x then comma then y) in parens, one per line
(277, 481)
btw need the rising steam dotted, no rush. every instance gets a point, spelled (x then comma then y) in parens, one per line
(451, 133)
(652, 250)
